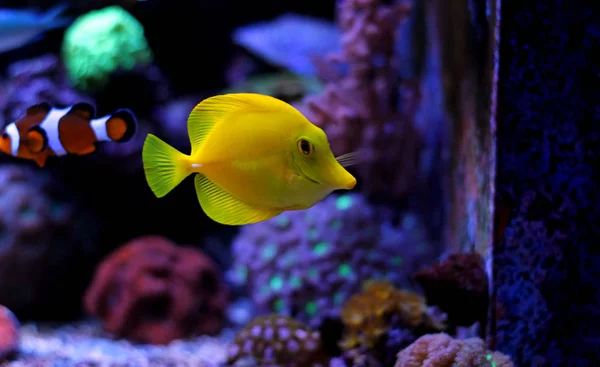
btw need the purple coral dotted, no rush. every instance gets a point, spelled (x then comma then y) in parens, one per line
(42, 242)
(307, 263)
(33, 81)
(368, 109)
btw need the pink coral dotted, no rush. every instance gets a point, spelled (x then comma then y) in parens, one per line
(9, 332)
(368, 109)
(441, 350)
(153, 291)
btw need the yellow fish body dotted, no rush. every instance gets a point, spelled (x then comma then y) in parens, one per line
(254, 157)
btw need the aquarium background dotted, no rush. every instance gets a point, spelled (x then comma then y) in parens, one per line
(470, 239)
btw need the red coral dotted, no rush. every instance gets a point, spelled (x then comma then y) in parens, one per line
(459, 286)
(9, 332)
(153, 291)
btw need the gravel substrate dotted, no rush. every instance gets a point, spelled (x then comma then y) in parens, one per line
(85, 345)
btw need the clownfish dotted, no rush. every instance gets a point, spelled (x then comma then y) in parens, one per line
(46, 131)
(253, 157)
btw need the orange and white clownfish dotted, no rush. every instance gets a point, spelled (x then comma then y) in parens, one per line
(45, 131)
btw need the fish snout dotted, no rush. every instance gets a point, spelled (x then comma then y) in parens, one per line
(350, 183)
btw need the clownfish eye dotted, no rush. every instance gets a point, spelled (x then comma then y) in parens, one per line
(4, 136)
(305, 147)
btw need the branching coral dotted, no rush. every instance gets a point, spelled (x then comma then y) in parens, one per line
(275, 340)
(441, 350)
(307, 263)
(151, 290)
(9, 332)
(459, 286)
(368, 108)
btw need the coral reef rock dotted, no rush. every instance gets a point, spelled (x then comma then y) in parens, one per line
(44, 240)
(84, 344)
(441, 350)
(30, 82)
(9, 333)
(275, 340)
(458, 285)
(151, 290)
(360, 109)
(305, 264)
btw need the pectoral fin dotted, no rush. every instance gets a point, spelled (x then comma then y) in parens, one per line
(224, 208)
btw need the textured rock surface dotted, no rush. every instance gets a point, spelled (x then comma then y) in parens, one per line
(546, 266)
(43, 242)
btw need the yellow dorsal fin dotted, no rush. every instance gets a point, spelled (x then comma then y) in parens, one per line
(224, 208)
(213, 110)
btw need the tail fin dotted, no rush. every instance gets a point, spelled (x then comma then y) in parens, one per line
(51, 18)
(121, 125)
(165, 166)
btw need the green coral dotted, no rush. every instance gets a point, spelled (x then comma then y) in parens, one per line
(101, 42)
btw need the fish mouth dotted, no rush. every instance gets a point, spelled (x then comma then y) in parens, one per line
(302, 173)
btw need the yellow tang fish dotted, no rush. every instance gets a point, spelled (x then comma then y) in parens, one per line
(255, 157)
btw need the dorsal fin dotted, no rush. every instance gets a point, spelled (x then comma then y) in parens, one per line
(214, 109)
(84, 110)
(43, 107)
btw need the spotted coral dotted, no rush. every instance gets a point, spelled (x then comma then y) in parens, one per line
(367, 108)
(339, 242)
(367, 315)
(441, 350)
(9, 332)
(278, 340)
(151, 290)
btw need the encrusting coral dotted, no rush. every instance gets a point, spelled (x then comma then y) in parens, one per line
(9, 333)
(151, 290)
(340, 242)
(441, 350)
(275, 340)
(366, 315)
(458, 285)
(381, 320)
(367, 108)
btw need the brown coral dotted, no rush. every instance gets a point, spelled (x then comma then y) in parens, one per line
(458, 285)
(366, 315)
(275, 340)
(441, 350)
(9, 332)
(153, 291)
(368, 109)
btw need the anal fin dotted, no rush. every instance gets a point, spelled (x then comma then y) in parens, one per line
(224, 208)
(40, 159)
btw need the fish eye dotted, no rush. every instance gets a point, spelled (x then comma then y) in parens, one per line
(305, 147)
(4, 136)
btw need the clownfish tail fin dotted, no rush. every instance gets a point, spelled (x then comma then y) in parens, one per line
(121, 125)
(37, 140)
(164, 166)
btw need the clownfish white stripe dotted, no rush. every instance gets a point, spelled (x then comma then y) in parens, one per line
(99, 127)
(15, 138)
(50, 125)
